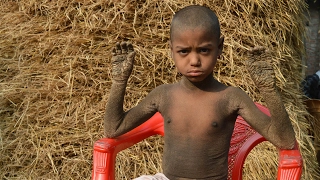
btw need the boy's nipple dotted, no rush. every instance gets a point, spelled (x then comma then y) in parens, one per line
(214, 124)
(168, 120)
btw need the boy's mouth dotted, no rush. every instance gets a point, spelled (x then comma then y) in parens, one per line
(194, 73)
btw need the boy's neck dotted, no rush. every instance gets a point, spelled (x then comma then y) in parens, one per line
(205, 85)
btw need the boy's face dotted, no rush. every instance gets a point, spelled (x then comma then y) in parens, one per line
(195, 52)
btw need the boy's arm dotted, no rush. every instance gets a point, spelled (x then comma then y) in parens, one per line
(116, 121)
(277, 128)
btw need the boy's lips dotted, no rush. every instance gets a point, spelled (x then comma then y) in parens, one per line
(194, 72)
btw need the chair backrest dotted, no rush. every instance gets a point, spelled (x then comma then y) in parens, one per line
(243, 140)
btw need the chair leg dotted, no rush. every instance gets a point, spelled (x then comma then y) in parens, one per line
(103, 162)
(290, 165)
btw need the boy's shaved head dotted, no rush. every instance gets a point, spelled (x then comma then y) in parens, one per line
(195, 16)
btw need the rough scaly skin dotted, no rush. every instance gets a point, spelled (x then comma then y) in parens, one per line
(122, 61)
(122, 64)
(260, 69)
(198, 117)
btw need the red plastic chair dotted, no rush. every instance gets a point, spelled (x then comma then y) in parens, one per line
(244, 138)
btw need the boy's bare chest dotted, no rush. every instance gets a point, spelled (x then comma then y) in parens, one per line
(200, 115)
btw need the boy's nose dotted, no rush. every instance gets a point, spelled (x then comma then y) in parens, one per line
(195, 59)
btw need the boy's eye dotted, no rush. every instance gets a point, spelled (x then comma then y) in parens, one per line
(183, 51)
(204, 50)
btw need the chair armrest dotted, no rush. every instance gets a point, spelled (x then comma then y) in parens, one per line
(106, 149)
(290, 164)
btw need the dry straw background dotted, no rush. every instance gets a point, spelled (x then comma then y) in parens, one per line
(55, 78)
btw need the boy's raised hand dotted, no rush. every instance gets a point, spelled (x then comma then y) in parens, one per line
(260, 69)
(122, 61)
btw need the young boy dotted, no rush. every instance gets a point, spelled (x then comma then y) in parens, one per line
(199, 112)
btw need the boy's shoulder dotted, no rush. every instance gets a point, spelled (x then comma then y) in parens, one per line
(161, 90)
(236, 96)
(235, 92)
(232, 89)
(164, 90)
(225, 89)
(231, 93)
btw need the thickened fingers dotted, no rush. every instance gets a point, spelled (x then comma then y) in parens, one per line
(117, 49)
(130, 47)
(124, 48)
(114, 51)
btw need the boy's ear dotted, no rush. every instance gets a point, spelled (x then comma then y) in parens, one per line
(221, 41)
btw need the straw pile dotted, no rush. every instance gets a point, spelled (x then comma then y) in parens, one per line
(55, 78)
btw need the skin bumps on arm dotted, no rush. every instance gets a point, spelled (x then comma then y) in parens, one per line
(116, 121)
(277, 128)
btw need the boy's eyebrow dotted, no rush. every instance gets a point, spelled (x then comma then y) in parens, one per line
(201, 45)
(206, 45)
(182, 47)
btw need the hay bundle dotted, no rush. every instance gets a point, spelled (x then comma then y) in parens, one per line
(55, 77)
